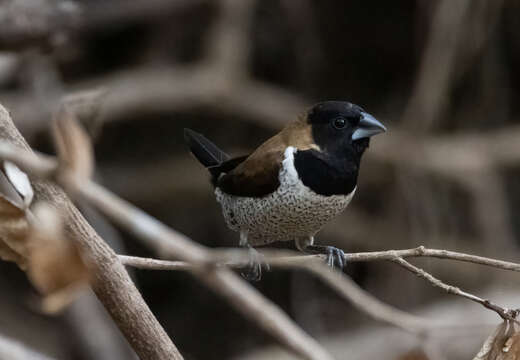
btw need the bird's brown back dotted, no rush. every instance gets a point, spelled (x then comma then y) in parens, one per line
(258, 174)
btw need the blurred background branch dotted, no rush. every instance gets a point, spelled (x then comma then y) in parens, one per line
(12, 349)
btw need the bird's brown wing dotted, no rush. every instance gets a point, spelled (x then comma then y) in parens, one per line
(257, 176)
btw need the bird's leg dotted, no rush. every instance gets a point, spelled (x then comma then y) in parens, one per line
(335, 256)
(256, 261)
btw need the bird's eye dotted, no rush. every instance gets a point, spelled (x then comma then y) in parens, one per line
(339, 123)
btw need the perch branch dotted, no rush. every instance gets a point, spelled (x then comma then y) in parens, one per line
(237, 258)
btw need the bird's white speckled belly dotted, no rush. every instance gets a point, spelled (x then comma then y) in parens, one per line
(293, 211)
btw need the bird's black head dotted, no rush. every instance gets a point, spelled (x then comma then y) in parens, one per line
(342, 129)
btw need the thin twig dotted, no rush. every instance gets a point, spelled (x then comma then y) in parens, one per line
(236, 258)
(506, 314)
(422, 251)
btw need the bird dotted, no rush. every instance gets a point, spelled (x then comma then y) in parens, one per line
(295, 182)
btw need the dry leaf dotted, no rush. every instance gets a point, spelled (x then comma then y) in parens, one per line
(54, 265)
(9, 192)
(502, 344)
(52, 262)
(14, 229)
(20, 181)
(14, 226)
(73, 145)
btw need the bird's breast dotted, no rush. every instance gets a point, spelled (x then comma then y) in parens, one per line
(292, 211)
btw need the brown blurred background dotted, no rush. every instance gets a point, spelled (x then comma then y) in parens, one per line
(442, 75)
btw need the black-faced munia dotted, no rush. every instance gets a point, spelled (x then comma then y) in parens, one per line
(295, 182)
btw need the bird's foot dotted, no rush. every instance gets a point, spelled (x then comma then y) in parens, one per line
(253, 272)
(335, 257)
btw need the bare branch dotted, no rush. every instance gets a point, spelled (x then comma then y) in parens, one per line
(421, 251)
(275, 258)
(237, 258)
(504, 313)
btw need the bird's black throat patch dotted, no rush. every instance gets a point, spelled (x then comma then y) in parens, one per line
(326, 175)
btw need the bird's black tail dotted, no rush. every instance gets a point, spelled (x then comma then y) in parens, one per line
(204, 150)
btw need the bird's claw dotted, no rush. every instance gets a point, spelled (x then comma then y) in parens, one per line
(335, 257)
(253, 271)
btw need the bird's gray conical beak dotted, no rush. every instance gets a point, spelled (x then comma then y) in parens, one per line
(368, 126)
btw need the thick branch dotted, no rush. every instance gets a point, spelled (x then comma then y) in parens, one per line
(112, 285)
